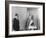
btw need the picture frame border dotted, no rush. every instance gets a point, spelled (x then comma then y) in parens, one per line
(7, 18)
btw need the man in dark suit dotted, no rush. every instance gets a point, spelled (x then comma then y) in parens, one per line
(16, 23)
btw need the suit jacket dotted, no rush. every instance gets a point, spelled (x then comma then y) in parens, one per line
(16, 24)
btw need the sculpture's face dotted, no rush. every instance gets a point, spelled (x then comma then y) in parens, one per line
(30, 17)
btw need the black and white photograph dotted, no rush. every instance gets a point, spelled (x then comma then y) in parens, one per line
(25, 19)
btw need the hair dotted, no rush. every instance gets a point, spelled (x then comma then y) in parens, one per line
(16, 14)
(32, 17)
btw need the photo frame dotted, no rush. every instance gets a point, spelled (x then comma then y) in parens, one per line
(33, 10)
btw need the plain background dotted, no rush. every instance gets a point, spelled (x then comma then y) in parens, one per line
(2, 19)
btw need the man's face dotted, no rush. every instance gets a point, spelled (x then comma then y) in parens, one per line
(17, 17)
